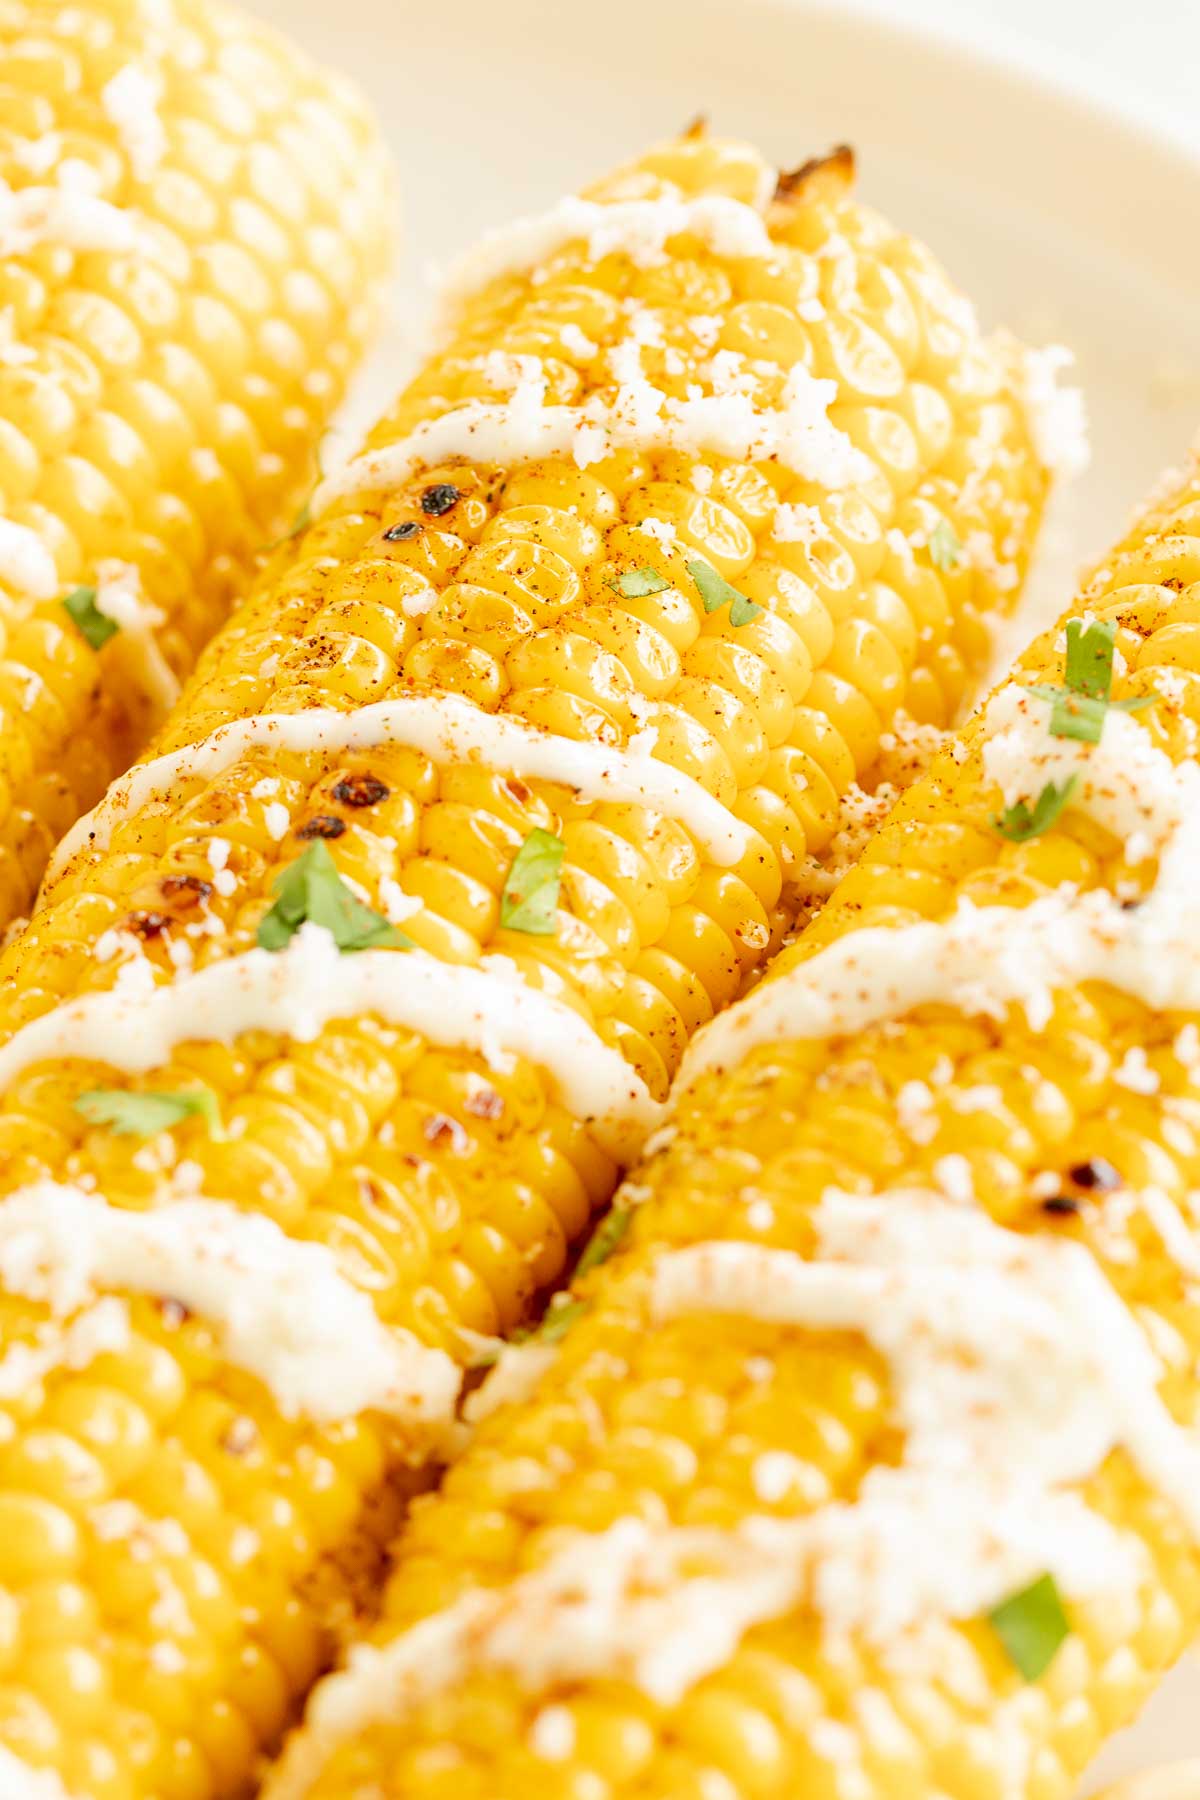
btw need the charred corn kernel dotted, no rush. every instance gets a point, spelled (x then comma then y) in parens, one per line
(543, 616)
(1031, 1123)
(196, 225)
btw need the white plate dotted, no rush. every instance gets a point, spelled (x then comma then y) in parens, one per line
(1061, 214)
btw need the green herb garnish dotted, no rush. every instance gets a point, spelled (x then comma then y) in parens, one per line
(1032, 1626)
(635, 583)
(96, 626)
(530, 896)
(554, 1327)
(945, 549)
(144, 1115)
(311, 890)
(1021, 822)
(1080, 706)
(1089, 667)
(715, 592)
(606, 1238)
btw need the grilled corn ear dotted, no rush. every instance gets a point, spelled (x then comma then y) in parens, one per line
(371, 979)
(866, 1465)
(193, 227)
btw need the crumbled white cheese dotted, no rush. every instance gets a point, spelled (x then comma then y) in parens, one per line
(131, 100)
(552, 1734)
(954, 1178)
(120, 597)
(776, 1474)
(284, 1310)
(638, 229)
(915, 1112)
(798, 524)
(68, 216)
(525, 428)
(1134, 1072)
(577, 344)
(661, 530)
(396, 904)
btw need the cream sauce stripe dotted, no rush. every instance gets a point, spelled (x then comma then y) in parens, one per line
(284, 1310)
(983, 960)
(641, 417)
(443, 727)
(308, 984)
(639, 229)
(1016, 1369)
(19, 1780)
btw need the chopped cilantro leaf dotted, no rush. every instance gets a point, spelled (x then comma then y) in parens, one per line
(1032, 1625)
(635, 583)
(146, 1114)
(1089, 665)
(945, 549)
(606, 1238)
(311, 890)
(1021, 822)
(530, 896)
(558, 1321)
(715, 592)
(96, 626)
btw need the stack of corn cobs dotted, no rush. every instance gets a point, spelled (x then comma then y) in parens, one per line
(388, 1093)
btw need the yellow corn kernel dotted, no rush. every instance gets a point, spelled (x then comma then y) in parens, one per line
(1079, 1127)
(166, 384)
(222, 1541)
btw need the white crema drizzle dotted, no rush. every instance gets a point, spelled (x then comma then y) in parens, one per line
(986, 959)
(19, 1780)
(639, 229)
(444, 727)
(640, 417)
(1015, 1369)
(304, 987)
(282, 1308)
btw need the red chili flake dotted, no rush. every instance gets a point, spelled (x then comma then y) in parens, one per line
(324, 825)
(360, 790)
(521, 792)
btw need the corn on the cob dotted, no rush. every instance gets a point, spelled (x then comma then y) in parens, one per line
(866, 1467)
(193, 225)
(426, 712)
